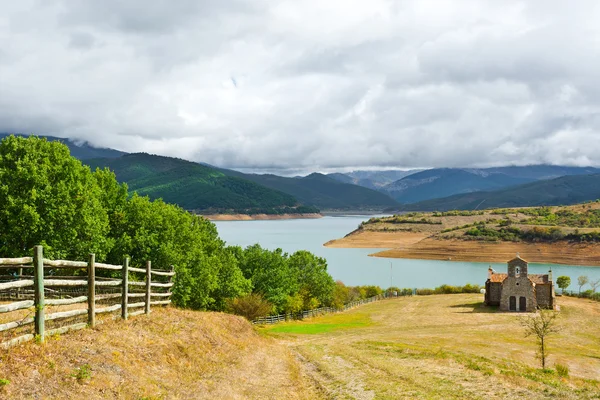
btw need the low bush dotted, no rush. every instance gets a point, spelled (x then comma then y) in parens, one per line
(251, 306)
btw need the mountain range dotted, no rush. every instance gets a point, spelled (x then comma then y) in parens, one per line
(565, 190)
(205, 188)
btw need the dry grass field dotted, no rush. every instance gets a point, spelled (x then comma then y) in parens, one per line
(174, 354)
(423, 347)
(445, 347)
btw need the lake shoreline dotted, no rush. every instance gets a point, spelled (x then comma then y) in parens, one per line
(412, 245)
(260, 217)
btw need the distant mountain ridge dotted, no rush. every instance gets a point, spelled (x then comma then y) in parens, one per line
(565, 190)
(81, 150)
(357, 190)
(322, 191)
(443, 182)
(197, 187)
(372, 179)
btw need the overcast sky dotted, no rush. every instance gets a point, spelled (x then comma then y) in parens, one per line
(309, 85)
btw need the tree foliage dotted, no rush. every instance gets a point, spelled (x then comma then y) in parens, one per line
(48, 197)
(291, 283)
(563, 282)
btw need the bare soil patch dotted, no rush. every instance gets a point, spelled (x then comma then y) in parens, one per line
(259, 217)
(378, 240)
(478, 251)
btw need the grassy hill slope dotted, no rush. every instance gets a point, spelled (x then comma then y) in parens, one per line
(564, 190)
(194, 186)
(322, 191)
(173, 354)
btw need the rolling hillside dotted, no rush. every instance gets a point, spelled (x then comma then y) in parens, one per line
(79, 150)
(322, 191)
(560, 191)
(196, 187)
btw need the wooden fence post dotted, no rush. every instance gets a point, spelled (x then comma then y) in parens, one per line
(20, 272)
(92, 291)
(38, 284)
(148, 286)
(125, 289)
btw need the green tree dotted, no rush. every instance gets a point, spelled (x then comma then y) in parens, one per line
(48, 197)
(341, 294)
(270, 275)
(563, 282)
(316, 285)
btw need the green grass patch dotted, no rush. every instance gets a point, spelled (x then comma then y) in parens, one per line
(323, 324)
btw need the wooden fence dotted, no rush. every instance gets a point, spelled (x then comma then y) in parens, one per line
(49, 286)
(273, 319)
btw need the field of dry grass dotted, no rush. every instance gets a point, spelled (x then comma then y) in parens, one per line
(174, 354)
(423, 347)
(445, 347)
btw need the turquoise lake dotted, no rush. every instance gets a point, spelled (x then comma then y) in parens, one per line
(355, 267)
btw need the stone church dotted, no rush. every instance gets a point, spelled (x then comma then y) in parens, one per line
(518, 290)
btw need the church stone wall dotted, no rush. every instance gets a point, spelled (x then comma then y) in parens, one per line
(493, 293)
(519, 287)
(544, 296)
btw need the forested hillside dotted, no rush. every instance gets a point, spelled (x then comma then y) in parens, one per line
(196, 187)
(560, 191)
(322, 191)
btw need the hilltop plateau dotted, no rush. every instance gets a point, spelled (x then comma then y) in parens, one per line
(561, 234)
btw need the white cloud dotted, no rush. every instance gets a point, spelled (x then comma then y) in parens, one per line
(309, 85)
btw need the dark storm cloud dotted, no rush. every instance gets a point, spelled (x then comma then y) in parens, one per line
(310, 85)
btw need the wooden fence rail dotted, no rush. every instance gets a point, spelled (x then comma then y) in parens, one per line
(39, 285)
(273, 319)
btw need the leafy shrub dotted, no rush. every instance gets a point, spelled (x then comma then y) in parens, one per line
(425, 292)
(251, 306)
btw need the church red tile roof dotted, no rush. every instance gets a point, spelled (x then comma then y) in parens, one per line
(538, 279)
(498, 278)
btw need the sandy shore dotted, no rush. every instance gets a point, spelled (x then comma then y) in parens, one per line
(259, 217)
(377, 240)
(413, 245)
